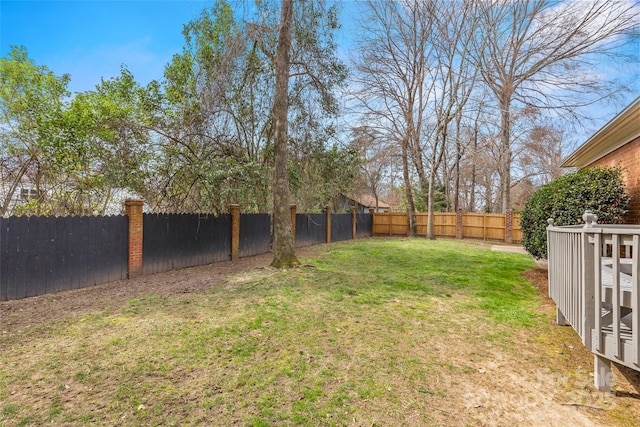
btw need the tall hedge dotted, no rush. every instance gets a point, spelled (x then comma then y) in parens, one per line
(601, 190)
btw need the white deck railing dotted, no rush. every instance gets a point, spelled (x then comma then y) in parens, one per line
(594, 278)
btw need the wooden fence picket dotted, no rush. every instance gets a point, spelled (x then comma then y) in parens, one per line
(474, 225)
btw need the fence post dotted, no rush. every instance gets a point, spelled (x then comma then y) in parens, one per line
(293, 223)
(508, 235)
(133, 209)
(353, 222)
(373, 223)
(328, 231)
(235, 232)
(459, 224)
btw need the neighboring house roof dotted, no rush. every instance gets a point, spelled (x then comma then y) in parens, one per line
(622, 129)
(369, 201)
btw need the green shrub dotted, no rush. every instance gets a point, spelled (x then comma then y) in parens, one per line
(600, 189)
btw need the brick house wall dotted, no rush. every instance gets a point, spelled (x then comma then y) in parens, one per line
(617, 143)
(628, 158)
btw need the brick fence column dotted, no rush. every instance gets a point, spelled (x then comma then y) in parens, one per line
(293, 223)
(459, 224)
(133, 209)
(508, 235)
(353, 222)
(328, 214)
(235, 232)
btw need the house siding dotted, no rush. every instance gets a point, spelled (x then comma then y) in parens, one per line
(628, 158)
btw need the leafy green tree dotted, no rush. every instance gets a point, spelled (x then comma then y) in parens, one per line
(99, 147)
(75, 152)
(32, 101)
(105, 139)
(439, 199)
(600, 190)
(315, 180)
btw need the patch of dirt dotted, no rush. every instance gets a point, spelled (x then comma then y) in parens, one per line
(540, 279)
(44, 309)
(625, 381)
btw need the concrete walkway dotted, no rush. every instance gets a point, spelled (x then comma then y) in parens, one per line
(509, 248)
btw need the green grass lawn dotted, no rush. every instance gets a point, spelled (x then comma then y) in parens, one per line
(373, 332)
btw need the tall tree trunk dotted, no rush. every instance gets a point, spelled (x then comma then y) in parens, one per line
(488, 199)
(431, 235)
(472, 200)
(505, 143)
(411, 208)
(436, 161)
(459, 153)
(415, 150)
(446, 180)
(283, 249)
(422, 177)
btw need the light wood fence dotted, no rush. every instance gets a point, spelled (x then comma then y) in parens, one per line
(496, 227)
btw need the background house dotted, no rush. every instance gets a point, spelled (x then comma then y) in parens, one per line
(616, 144)
(363, 204)
(24, 192)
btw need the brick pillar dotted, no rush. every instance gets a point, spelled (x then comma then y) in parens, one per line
(328, 231)
(133, 209)
(235, 232)
(459, 224)
(353, 222)
(508, 235)
(293, 223)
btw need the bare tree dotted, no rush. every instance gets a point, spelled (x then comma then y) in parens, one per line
(392, 82)
(416, 76)
(455, 77)
(542, 53)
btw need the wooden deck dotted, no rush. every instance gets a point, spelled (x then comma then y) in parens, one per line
(594, 277)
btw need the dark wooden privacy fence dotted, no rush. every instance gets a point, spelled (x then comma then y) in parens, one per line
(40, 255)
(364, 225)
(173, 241)
(311, 229)
(341, 227)
(255, 234)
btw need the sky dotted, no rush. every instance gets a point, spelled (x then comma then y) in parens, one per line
(92, 39)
